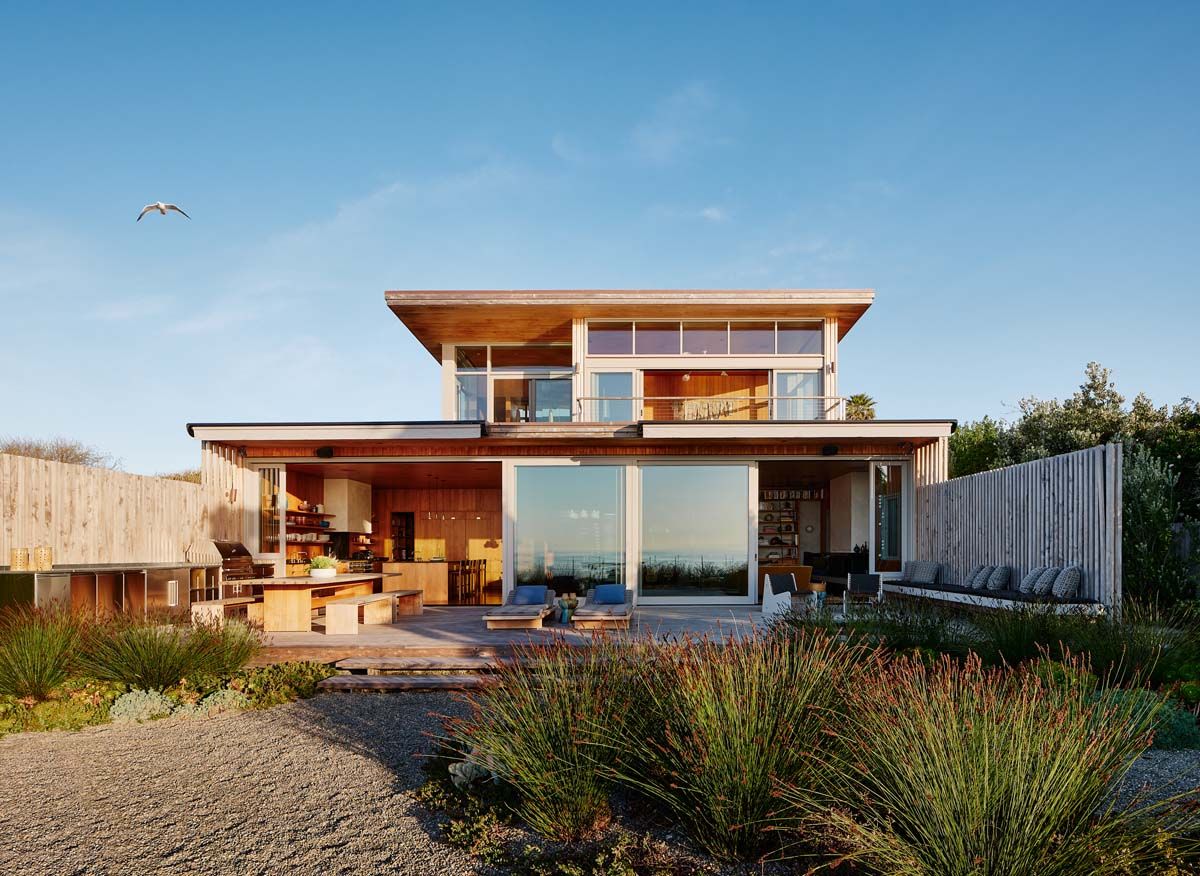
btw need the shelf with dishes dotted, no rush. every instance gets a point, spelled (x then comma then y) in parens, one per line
(778, 540)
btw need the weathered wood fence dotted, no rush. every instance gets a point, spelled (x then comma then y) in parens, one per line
(95, 515)
(1065, 510)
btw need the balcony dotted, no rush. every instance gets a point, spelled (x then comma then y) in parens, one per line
(710, 409)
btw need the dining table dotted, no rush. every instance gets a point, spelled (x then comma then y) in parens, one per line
(288, 603)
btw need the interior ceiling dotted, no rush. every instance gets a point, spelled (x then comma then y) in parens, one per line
(410, 475)
(784, 473)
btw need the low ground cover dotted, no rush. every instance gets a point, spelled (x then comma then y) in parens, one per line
(62, 670)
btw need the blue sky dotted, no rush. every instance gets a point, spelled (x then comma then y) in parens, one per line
(1020, 184)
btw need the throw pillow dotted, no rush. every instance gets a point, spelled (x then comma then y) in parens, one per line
(1066, 585)
(529, 594)
(1026, 585)
(998, 580)
(609, 594)
(975, 570)
(980, 580)
(924, 572)
(1046, 582)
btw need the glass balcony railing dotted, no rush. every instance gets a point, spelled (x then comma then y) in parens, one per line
(709, 409)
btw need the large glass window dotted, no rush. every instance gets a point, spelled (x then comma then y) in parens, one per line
(695, 530)
(610, 338)
(470, 394)
(531, 400)
(656, 339)
(799, 338)
(798, 396)
(270, 497)
(569, 526)
(705, 338)
(752, 338)
(889, 516)
(613, 396)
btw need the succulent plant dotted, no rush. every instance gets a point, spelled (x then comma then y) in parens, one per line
(141, 706)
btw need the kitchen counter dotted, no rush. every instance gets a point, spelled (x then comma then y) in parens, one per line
(431, 577)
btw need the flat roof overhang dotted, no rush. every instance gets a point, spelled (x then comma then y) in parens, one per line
(432, 430)
(533, 316)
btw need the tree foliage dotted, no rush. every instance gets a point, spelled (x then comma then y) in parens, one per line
(860, 406)
(58, 450)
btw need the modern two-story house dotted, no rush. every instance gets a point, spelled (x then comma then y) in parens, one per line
(680, 442)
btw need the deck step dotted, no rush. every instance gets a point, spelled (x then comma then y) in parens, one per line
(386, 683)
(466, 663)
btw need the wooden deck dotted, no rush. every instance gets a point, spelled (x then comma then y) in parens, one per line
(459, 631)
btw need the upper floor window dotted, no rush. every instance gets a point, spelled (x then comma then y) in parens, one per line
(528, 383)
(705, 338)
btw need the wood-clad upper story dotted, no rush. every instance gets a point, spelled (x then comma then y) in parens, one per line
(635, 355)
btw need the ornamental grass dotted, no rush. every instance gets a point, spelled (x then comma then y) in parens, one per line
(545, 725)
(37, 649)
(734, 719)
(959, 770)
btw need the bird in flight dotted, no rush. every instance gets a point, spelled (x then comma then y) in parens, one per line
(161, 208)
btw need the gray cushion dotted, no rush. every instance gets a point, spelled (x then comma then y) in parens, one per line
(998, 580)
(980, 580)
(1066, 585)
(1026, 585)
(1045, 582)
(782, 583)
(970, 576)
(924, 572)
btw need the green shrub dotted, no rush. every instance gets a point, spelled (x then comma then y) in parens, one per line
(1174, 727)
(143, 653)
(958, 769)
(72, 706)
(546, 725)
(37, 650)
(265, 686)
(140, 706)
(736, 719)
(224, 649)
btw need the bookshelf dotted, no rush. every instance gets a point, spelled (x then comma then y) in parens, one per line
(778, 522)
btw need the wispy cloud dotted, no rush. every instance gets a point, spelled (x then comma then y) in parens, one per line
(568, 149)
(714, 213)
(681, 121)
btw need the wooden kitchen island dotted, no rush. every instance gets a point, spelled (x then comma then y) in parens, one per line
(432, 578)
(288, 603)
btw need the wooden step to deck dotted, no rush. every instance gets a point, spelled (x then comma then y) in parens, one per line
(399, 683)
(376, 665)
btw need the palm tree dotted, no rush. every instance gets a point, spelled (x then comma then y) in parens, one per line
(860, 406)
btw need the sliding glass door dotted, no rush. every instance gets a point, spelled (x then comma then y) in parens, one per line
(695, 532)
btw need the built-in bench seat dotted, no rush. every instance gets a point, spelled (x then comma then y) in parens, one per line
(989, 599)
(215, 611)
(341, 615)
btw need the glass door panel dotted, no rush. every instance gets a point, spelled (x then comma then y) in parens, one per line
(695, 531)
(798, 395)
(889, 516)
(612, 393)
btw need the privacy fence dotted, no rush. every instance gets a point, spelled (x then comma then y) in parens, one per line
(95, 515)
(1065, 510)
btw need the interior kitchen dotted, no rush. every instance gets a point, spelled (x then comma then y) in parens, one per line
(436, 527)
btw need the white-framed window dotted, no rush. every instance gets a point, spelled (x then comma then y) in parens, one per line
(701, 337)
(499, 383)
(613, 397)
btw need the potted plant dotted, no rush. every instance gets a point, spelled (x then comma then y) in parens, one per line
(322, 566)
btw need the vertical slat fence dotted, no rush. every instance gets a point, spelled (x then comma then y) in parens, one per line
(1065, 510)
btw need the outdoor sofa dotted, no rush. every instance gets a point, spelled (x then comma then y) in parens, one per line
(526, 607)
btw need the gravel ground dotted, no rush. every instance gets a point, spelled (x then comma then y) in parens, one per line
(1161, 774)
(318, 786)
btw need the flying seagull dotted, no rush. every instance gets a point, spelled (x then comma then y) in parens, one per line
(160, 207)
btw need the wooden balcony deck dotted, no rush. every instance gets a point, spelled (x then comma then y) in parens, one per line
(459, 631)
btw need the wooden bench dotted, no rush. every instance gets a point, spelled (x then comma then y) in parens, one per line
(215, 611)
(341, 615)
(408, 602)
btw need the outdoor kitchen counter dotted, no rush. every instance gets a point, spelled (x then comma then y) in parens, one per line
(288, 603)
